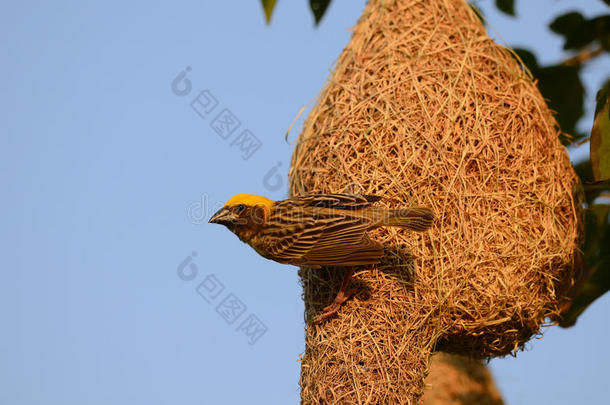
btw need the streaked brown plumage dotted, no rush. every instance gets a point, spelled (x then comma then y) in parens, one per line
(317, 229)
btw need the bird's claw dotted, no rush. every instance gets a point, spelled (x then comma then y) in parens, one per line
(332, 309)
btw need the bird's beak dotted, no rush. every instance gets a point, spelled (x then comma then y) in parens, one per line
(222, 216)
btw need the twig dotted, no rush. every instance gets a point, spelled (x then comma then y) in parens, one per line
(583, 56)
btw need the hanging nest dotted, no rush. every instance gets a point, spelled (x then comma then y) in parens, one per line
(459, 380)
(425, 109)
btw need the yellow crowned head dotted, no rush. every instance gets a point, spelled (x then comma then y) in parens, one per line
(250, 200)
(241, 210)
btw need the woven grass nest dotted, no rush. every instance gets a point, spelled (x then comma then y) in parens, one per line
(425, 109)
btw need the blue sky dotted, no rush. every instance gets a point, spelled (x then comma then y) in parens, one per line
(107, 174)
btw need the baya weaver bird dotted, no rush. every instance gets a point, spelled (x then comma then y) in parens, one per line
(317, 230)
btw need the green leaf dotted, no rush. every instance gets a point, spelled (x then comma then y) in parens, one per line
(601, 28)
(528, 58)
(562, 87)
(600, 136)
(584, 171)
(596, 251)
(576, 30)
(268, 6)
(601, 98)
(506, 6)
(318, 8)
(579, 32)
(567, 23)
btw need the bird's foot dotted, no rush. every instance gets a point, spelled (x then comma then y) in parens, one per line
(332, 309)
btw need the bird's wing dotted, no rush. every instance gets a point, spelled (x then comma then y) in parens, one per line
(306, 236)
(340, 201)
(365, 252)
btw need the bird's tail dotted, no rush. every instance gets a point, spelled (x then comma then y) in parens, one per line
(417, 219)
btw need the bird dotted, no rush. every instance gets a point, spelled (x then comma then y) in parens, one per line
(315, 230)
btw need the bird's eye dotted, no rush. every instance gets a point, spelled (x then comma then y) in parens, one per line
(239, 209)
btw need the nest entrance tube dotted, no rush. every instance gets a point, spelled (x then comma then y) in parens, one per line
(425, 109)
